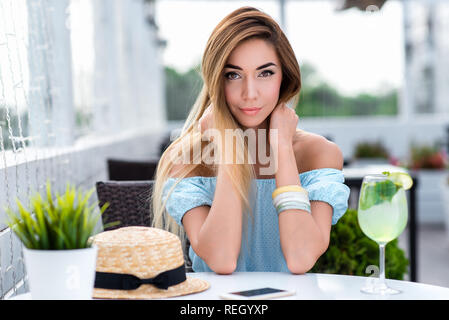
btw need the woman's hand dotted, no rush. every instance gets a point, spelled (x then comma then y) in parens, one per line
(285, 120)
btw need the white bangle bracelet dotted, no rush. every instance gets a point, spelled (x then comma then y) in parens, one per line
(292, 193)
(293, 205)
(297, 196)
(277, 203)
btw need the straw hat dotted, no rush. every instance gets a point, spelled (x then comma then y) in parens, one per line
(141, 263)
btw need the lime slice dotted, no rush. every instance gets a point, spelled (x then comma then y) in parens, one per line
(401, 178)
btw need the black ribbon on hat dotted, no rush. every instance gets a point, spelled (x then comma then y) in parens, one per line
(120, 281)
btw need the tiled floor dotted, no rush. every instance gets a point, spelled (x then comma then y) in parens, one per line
(433, 254)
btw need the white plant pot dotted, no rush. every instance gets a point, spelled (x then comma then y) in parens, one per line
(61, 274)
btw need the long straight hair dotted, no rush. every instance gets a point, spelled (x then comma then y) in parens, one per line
(242, 24)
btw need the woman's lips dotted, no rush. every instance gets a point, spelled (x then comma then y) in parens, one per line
(251, 111)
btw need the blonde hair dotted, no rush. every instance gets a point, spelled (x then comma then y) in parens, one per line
(242, 24)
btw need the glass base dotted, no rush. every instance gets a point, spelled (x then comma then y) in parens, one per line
(380, 289)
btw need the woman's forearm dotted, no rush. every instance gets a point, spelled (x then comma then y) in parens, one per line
(287, 172)
(219, 239)
(300, 237)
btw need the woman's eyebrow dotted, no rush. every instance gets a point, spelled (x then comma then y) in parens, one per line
(258, 68)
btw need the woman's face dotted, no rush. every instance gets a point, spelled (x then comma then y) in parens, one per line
(253, 77)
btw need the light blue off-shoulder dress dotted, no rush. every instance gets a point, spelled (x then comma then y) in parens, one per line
(262, 250)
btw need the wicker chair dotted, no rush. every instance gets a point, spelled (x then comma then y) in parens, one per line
(129, 203)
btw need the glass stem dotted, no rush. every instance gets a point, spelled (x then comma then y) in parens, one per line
(382, 264)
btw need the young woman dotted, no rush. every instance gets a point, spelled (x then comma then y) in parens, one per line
(237, 216)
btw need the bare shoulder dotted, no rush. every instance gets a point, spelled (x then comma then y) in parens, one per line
(177, 171)
(314, 151)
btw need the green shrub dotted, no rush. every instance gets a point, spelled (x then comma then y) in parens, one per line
(350, 252)
(371, 150)
(66, 222)
(426, 157)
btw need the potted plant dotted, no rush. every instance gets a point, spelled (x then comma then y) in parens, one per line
(56, 233)
(428, 163)
(367, 152)
(426, 157)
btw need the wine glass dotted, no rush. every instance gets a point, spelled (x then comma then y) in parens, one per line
(382, 216)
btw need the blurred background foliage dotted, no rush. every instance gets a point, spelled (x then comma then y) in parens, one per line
(181, 90)
(368, 149)
(424, 156)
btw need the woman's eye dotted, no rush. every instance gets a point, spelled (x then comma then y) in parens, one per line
(230, 75)
(267, 73)
(234, 75)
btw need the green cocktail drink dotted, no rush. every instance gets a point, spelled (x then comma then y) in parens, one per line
(383, 218)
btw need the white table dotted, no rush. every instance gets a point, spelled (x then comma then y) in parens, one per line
(361, 171)
(310, 286)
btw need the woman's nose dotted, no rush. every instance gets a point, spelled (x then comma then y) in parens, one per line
(250, 89)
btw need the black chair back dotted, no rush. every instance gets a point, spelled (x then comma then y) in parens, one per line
(130, 170)
(128, 202)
